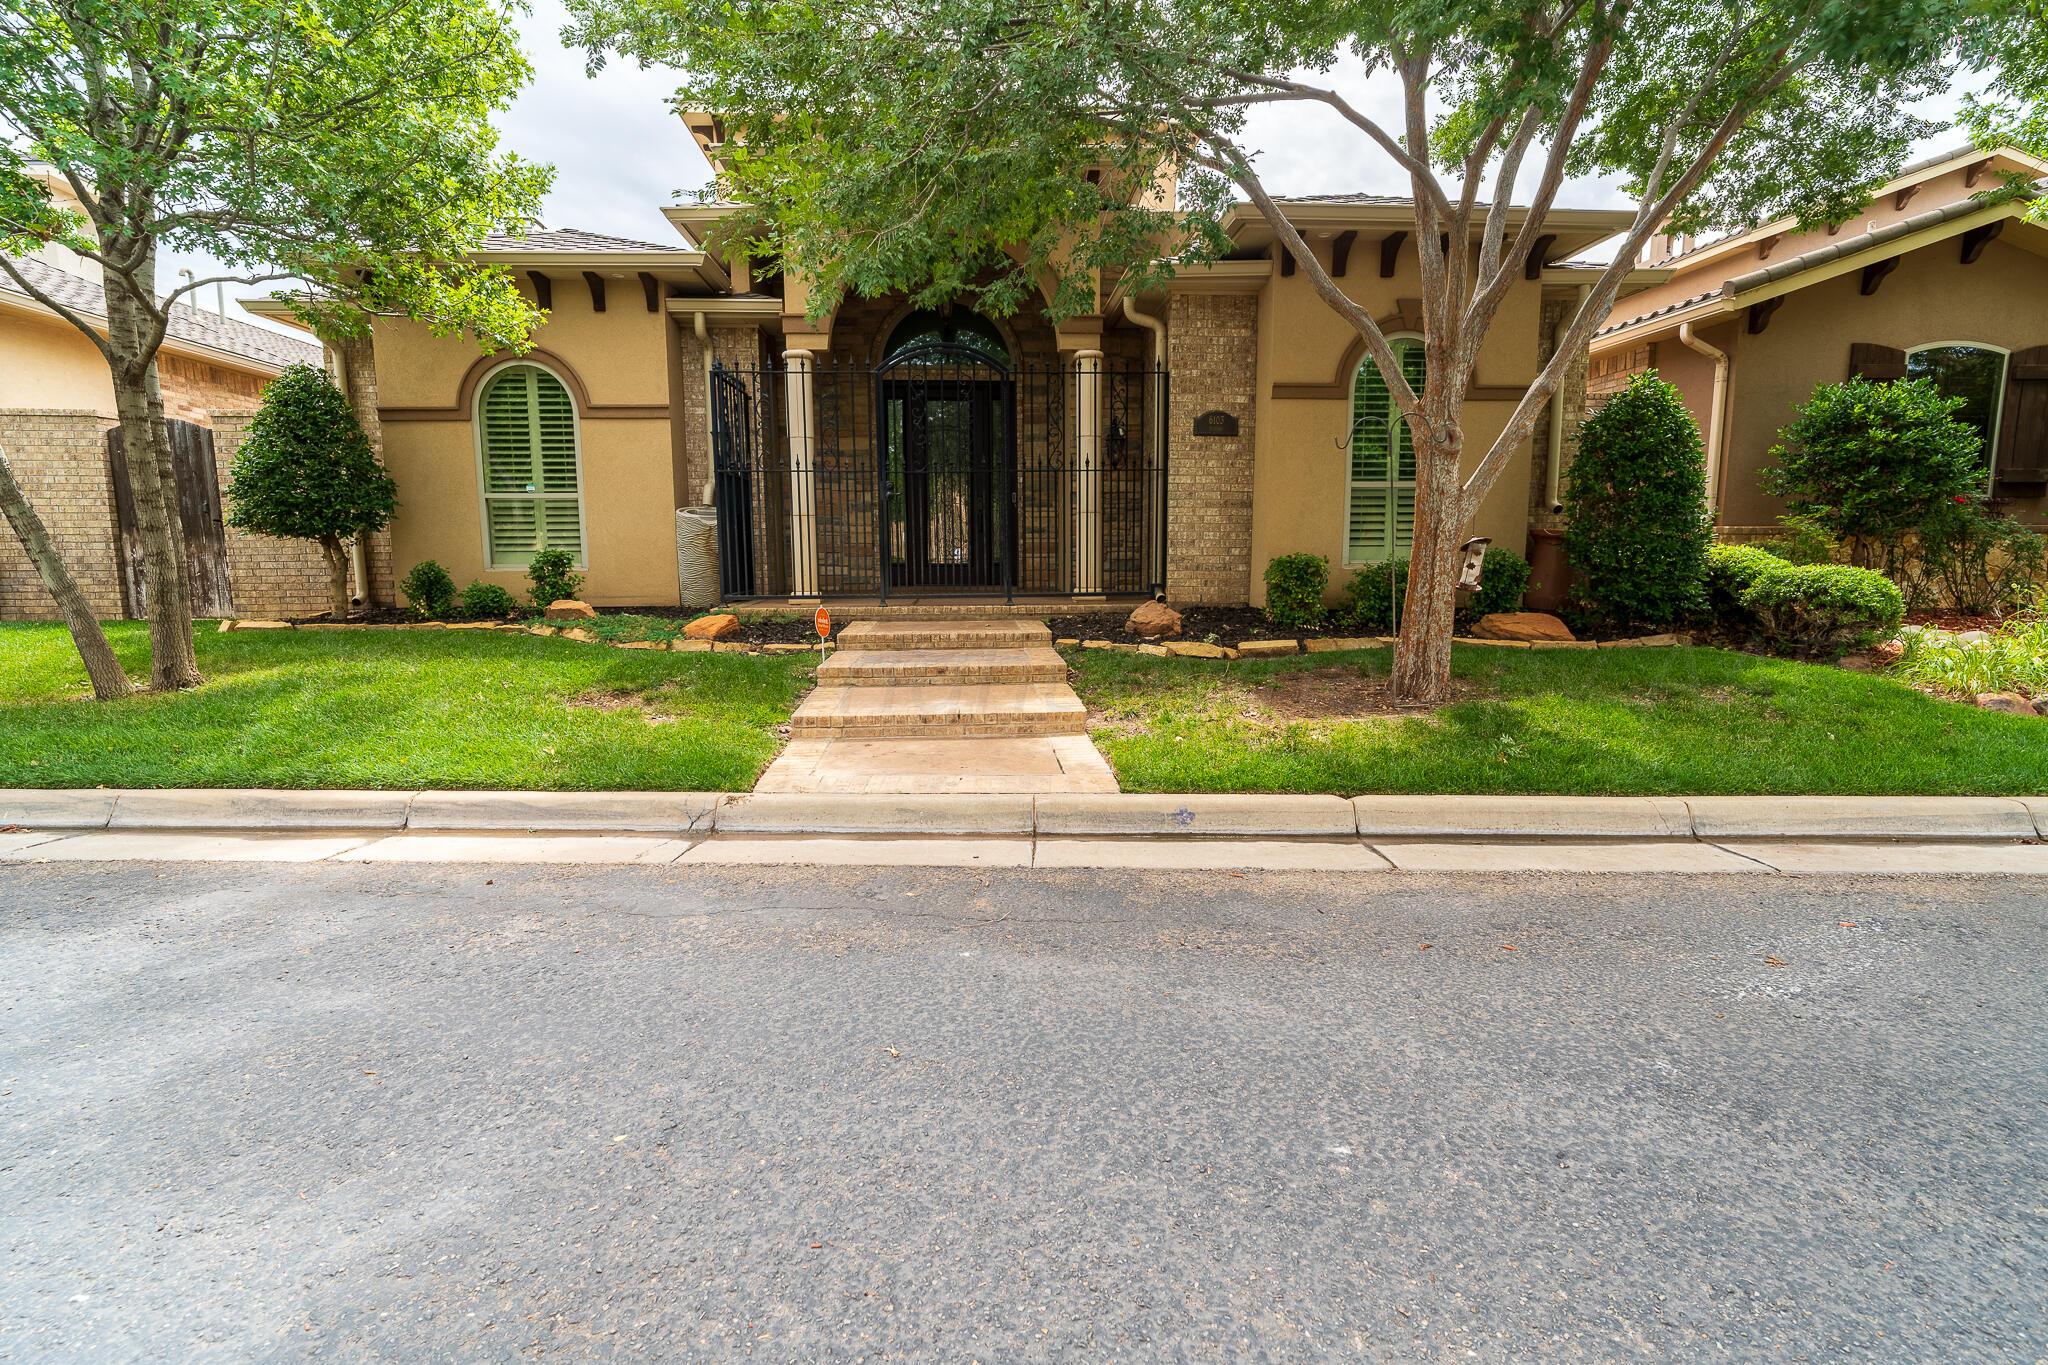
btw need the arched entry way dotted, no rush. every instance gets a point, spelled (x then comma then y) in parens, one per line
(946, 400)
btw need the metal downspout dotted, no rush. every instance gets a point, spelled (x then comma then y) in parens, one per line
(1720, 359)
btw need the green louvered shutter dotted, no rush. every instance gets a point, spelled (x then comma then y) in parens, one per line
(532, 485)
(1382, 489)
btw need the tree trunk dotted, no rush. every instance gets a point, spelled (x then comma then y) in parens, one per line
(109, 682)
(357, 355)
(174, 665)
(1422, 655)
(336, 550)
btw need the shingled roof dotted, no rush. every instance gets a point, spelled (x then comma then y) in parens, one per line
(555, 241)
(261, 347)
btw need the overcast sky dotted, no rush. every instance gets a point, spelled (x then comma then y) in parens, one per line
(620, 153)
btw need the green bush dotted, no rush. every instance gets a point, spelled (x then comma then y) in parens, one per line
(1294, 590)
(1370, 596)
(1503, 578)
(1637, 525)
(1816, 610)
(1870, 464)
(550, 572)
(429, 591)
(487, 602)
(1975, 561)
(1800, 543)
(2013, 658)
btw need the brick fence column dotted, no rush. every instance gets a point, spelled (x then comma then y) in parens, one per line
(1214, 340)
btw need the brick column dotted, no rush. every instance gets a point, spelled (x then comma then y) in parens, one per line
(1209, 478)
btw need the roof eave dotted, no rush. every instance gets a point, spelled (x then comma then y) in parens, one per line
(181, 346)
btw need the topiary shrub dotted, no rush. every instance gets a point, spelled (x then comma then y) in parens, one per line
(551, 573)
(1870, 464)
(1370, 596)
(487, 602)
(1637, 525)
(1819, 610)
(306, 472)
(1294, 590)
(429, 591)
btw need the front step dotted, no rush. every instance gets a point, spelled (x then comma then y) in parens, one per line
(941, 712)
(945, 667)
(879, 635)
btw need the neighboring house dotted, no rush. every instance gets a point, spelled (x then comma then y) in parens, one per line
(57, 405)
(1174, 441)
(1931, 280)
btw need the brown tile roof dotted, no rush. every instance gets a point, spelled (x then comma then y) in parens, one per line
(540, 240)
(262, 347)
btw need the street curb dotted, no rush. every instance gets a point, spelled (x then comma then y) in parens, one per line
(1133, 815)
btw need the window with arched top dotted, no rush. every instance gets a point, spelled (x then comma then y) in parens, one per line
(531, 468)
(1972, 372)
(1380, 516)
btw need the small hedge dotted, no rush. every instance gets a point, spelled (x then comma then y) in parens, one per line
(1371, 595)
(1294, 590)
(487, 602)
(551, 573)
(1803, 609)
(429, 591)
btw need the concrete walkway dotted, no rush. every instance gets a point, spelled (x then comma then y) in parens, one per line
(941, 707)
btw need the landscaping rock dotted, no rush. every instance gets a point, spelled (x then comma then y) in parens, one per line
(1971, 637)
(1153, 621)
(2041, 706)
(732, 647)
(1522, 625)
(1333, 643)
(643, 644)
(569, 609)
(1111, 645)
(1262, 649)
(1158, 651)
(579, 635)
(542, 630)
(1198, 649)
(1493, 644)
(1563, 644)
(263, 625)
(712, 627)
(690, 647)
(1066, 642)
(786, 649)
(2012, 703)
(1644, 642)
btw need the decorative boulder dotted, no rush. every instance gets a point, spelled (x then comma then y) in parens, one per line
(568, 609)
(2012, 703)
(712, 627)
(1522, 625)
(1153, 621)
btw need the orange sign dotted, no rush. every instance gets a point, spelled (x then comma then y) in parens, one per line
(823, 621)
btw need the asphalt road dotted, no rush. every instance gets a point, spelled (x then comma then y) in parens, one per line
(421, 1112)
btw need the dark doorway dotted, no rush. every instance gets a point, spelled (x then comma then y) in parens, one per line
(945, 397)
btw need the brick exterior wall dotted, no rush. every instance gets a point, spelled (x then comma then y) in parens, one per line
(194, 390)
(1611, 372)
(268, 577)
(1214, 341)
(60, 459)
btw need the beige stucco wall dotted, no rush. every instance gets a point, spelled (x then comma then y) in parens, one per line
(2001, 301)
(1301, 471)
(621, 359)
(46, 364)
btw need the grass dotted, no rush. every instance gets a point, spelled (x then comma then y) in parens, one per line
(396, 709)
(1613, 722)
(2013, 658)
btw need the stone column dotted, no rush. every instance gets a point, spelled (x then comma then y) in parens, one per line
(803, 474)
(1088, 473)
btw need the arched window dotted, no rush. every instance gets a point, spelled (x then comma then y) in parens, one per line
(1381, 506)
(1971, 372)
(528, 448)
(926, 337)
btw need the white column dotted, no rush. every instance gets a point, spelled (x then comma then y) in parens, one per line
(1088, 472)
(803, 474)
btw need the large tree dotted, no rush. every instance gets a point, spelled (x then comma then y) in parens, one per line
(940, 146)
(345, 143)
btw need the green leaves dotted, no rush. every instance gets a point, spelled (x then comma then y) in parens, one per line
(1637, 524)
(305, 470)
(1869, 462)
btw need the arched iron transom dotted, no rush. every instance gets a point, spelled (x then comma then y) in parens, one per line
(931, 338)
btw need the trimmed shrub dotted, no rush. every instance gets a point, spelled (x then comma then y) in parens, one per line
(1370, 596)
(1503, 578)
(1870, 464)
(552, 575)
(1976, 562)
(429, 591)
(1294, 590)
(1637, 525)
(487, 602)
(1816, 610)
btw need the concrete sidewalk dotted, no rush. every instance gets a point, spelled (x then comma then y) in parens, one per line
(1792, 834)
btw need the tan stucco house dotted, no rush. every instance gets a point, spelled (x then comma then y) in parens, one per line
(1932, 279)
(1173, 441)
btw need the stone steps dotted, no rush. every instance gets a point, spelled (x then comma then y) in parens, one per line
(947, 667)
(944, 635)
(935, 711)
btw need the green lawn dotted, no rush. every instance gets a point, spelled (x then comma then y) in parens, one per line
(396, 709)
(1642, 722)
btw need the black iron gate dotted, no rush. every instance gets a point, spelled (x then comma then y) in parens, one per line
(944, 471)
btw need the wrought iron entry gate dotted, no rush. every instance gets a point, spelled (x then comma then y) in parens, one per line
(944, 471)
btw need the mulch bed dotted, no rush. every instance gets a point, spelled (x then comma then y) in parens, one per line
(1223, 625)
